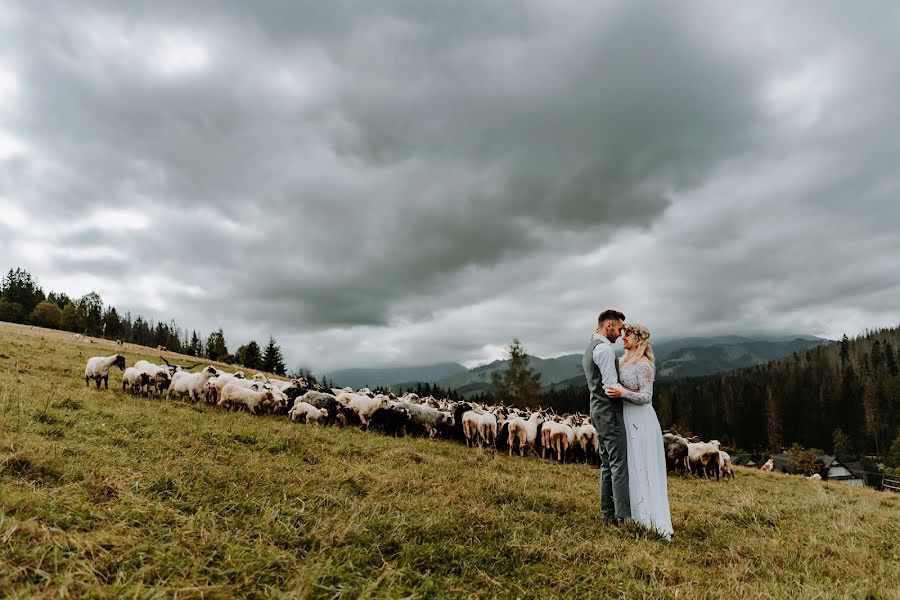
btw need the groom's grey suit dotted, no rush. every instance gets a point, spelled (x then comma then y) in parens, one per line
(606, 414)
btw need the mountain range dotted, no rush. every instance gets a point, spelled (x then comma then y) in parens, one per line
(678, 358)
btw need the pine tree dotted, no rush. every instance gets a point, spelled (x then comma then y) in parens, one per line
(249, 356)
(215, 346)
(518, 385)
(842, 446)
(273, 361)
(845, 351)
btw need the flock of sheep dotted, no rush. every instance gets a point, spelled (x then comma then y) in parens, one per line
(565, 437)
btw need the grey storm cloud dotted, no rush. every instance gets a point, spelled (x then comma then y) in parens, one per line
(411, 181)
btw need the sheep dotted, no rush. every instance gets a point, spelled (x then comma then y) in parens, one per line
(524, 432)
(676, 448)
(430, 421)
(190, 383)
(815, 477)
(588, 442)
(162, 348)
(120, 343)
(237, 396)
(768, 466)
(157, 375)
(337, 412)
(223, 379)
(725, 465)
(364, 406)
(562, 437)
(134, 380)
(97, 368)
(392, 420)
(78, 337)
(307, 413)
(470, 423)
(703, 458)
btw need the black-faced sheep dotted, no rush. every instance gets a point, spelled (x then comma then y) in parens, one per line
(97, 368)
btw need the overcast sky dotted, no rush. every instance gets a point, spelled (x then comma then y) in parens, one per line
(387, 183)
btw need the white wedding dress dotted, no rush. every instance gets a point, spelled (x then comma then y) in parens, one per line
(647, 484)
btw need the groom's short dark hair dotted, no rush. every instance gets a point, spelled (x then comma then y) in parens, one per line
(610, 315)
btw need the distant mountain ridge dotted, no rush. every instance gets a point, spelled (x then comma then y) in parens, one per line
(685, 357)
(372, 378)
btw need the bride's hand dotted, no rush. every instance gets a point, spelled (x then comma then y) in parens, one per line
(613, 391)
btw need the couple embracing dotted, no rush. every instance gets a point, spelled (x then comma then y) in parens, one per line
(632, 459)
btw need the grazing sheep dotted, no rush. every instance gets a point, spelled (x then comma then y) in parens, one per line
(676, 448)
(703, 459)
(162, 348)
(524, 432)
(190, 383)
(588, 442)
(815, 477)
(134, 381)
(768, 466)
(391, 420)
(430, 421)
(236, 396)
(365, 406)
(562, 438)
(158, 376)
(337, 412)
(78, 337)
(725, 465)
(120, 343)
(97, 368)
(307, 413)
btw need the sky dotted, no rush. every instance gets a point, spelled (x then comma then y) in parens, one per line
(408, 182)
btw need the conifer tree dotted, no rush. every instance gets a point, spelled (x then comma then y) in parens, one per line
(273, 361)
(518, 385)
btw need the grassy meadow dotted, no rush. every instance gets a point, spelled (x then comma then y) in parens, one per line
(104, 495)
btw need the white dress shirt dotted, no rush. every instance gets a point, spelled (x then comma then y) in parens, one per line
(605, 358)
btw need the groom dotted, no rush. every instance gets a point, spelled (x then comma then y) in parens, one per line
(601, 368)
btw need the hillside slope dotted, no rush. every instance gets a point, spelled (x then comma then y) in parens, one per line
(103, 495)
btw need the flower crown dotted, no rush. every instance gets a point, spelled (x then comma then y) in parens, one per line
(639, 331)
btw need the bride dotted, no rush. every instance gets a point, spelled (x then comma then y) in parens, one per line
(646, 458)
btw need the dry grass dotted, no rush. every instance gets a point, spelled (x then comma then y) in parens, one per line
(105, 495)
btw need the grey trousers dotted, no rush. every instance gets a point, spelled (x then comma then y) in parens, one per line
(606, 415)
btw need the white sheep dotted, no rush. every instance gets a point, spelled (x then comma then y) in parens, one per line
(703, 457)
(158, 376)
(524, 432)
(815, 477)
(307, 413)
(562, 438)
(768, 466)
(133, 380)
(587, 439)
(364, 406)
(725, 464)
(237, 396)
(190, 383)
(97, 368)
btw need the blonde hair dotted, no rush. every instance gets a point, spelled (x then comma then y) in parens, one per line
(641, 346)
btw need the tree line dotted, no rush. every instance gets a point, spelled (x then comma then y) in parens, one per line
(22, 300)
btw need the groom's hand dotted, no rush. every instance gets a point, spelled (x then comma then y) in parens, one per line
(613, 391)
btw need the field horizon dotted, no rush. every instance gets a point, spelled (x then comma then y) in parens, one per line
(107, 495)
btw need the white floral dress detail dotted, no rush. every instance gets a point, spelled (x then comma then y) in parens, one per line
(647, 485)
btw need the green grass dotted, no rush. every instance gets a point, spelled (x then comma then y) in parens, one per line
(105, 495)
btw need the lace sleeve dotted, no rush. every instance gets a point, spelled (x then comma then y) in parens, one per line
(644, 394)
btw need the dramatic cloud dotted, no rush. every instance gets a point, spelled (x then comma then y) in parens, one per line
(406, 182)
